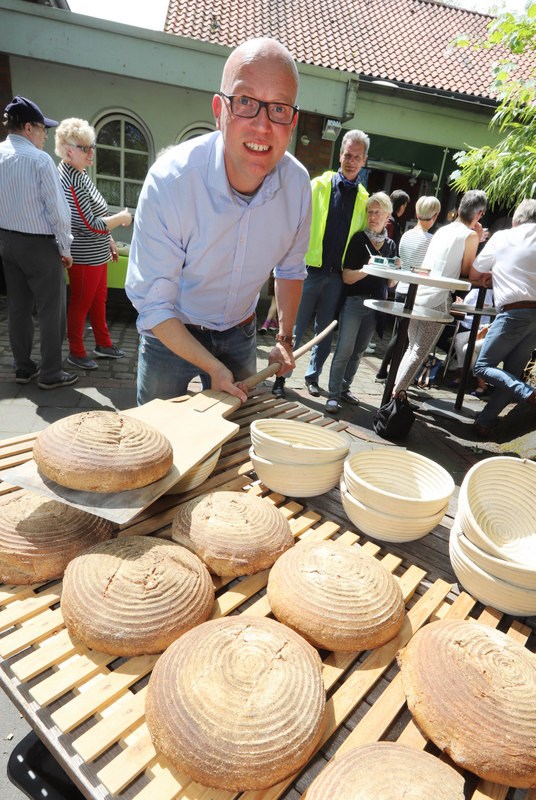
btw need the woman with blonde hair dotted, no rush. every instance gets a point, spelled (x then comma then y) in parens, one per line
(92, 245)
(357, 322)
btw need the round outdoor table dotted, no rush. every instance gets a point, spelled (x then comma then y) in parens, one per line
(408, 310)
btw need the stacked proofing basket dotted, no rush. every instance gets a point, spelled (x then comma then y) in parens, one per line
(394, 495)
(297, 458)
(493, 540)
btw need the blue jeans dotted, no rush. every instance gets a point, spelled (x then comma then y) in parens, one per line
(321, 295)
(511, 339)
(356, 328)
(162, 374)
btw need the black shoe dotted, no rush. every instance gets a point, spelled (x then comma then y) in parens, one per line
(381, 377)
(313, 388)
(63, 379)
(350, 398)
(278, 389)
(25, 376)
(332, 406)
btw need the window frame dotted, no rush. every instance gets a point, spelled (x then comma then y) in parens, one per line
(124, 116)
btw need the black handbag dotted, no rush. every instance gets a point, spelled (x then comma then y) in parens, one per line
(394, 419)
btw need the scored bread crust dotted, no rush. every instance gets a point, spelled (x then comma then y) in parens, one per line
(386, 770)
(234, 533)
(102, 451)
(237, 703)
(472, 690)
(335, 596)
(135, 595)
(39, 536)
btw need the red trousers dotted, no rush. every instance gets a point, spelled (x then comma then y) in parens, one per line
(88, 291)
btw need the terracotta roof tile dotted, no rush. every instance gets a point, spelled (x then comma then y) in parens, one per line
(408, 41)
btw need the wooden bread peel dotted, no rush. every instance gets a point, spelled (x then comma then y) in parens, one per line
(195, 425)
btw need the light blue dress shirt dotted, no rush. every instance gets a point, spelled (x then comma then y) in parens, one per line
(200, 252)
(31, 197)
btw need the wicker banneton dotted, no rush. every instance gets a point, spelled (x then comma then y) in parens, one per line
(101, 451)
(509, 571)
(496, 508)
(387, 527)
(398, 482)
(293, 442)
(237, 703)
(233, 533)
(335, 596)
(197, 475)
(39, 536)
(135, 595)
(297, 480)
(472, 691)
(386, 771)
(487, 588)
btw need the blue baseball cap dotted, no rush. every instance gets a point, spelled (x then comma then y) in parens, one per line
(23, 110)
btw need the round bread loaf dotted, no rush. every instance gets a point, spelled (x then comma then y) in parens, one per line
(472, 691)
(101, 451)
(135, 595)
(235, 534)
(337, 597)
(386, 771)
(237, 703)
(39, 536)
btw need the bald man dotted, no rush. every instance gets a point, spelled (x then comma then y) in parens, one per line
(216, 214)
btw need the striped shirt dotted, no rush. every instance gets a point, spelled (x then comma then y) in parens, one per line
(31, 199)
(91, 242)
(413, 246)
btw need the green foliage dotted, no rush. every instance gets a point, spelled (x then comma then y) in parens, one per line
(506, 172)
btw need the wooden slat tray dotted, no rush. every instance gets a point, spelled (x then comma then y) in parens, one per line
(88, 707)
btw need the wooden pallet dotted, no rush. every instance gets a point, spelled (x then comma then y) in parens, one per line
(88, 707)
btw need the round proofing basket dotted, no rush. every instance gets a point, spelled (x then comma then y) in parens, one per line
(398, 482)
(297, 480)
(197, 475)
(517, 574)
(387, 527)
(293, 442)
(496, 508)
(488, 589)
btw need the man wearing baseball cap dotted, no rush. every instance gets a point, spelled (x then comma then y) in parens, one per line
(35, 241)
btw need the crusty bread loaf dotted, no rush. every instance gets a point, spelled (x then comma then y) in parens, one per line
(472, 691)
(234, 533)
(39, 536)
(237, 703)
(101, 451)
(386, 771)
(135, 595)
(337, 597)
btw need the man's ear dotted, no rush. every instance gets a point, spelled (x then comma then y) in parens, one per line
(216, 109)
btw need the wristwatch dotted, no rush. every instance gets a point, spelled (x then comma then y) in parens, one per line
(280, 337)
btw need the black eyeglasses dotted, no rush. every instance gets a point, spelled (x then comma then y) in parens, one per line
(249, 107)
(41, 126)
(85, 148)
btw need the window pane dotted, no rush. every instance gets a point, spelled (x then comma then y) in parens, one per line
(132, 194)
(110, 134)
(134, 138)
(108, 162)
(110, 190)
(136, 166)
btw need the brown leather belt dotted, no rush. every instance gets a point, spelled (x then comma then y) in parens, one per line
(520, 304)
(240, 325)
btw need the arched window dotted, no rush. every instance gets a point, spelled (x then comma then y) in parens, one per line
(122, 159)
(193, 130)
